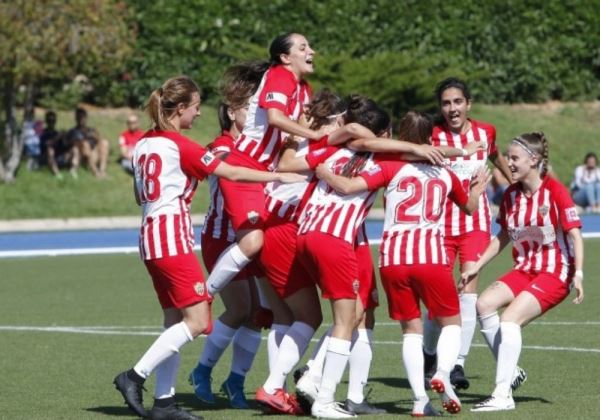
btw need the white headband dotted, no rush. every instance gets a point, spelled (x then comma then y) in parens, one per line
(521, 142)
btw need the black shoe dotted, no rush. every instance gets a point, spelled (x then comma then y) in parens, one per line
(131, 392)
(458, 379)
(304, 403)
(429, 368)
(298, 373)
(171, 412)
(362, 408)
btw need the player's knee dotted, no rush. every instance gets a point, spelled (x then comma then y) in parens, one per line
(251, 243)
(484, 306)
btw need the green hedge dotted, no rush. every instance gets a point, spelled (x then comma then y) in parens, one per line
(394, 51)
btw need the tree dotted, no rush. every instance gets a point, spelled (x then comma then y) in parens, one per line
(53, 40)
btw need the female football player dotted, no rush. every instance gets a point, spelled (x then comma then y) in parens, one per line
(167, 167)
(538, 215)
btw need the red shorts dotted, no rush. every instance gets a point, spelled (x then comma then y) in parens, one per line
(469, 246)
(406, 285)
(280, 261)
(331, 262)
(548, 289)
(178, 280)
(367, 291)
(213, 248)
(244, 201)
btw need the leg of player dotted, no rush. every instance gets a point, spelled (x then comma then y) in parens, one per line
(233, 259)
(359, 363)
(338, 352)
(447, 352)
(236, 298)
(431, 334)
(523, 309)
(468, 315)
(412, 356)
(196, 320)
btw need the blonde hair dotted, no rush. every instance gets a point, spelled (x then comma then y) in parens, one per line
(535, 144)
(163, 101)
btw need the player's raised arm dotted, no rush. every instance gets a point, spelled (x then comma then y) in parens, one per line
(340, 183)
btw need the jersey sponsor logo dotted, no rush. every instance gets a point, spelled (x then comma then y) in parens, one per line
(253, 217)
(207, 159)
(319, 152)
(276, 97)
(355, 286)
(571, 214)
(199, 288)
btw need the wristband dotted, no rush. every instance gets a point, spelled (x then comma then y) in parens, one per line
(579, 273)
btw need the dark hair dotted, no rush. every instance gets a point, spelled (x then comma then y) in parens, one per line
(322, 106)
(224, 121)
(415, 127)
(164, 101)
(240, 81)
(452, 82)
(80, 113)
(282, 44)
(50, 114)
(366, 112)
(590, 155)
(537, 143)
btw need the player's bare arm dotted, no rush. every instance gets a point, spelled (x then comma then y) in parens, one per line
(410, 151)
(500, 162)
(241, 174)
(476, 188)
(341, 184)
(278, 119)
(577, 239)
(288, 162)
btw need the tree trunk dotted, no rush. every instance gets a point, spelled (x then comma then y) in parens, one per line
(13, 141)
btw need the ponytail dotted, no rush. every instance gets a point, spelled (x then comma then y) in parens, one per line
(163, 102)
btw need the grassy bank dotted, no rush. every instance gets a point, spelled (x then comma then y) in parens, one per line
(572, 130)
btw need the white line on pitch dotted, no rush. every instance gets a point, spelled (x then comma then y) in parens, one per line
(554, 323)
(111, 331)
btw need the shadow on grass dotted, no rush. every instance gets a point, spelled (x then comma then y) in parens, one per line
(112, 411)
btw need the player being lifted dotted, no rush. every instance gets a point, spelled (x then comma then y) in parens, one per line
(466, 236)
(538, 215)
(413, 261)
(167, 168)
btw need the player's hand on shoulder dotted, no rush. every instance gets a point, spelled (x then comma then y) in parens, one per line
(466, 277)
(432, 154)
(322, 171)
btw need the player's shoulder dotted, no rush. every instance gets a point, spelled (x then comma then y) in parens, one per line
(224, 140)
(489, 127)
(280, 72)
(554, 185)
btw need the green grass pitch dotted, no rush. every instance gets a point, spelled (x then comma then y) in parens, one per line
(67, 374)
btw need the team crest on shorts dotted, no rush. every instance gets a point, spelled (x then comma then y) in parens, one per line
(355, 285)
(544, 210)
(199, 288)
(253, 217)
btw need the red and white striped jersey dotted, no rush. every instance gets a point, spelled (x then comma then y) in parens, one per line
(286, 200)
(279, 89)
(458, 222)
(538, 227)
(217, 224)
(415, 196)
(330, 212)
(167, 167)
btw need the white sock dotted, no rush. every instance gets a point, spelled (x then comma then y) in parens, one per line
(245, 345)
(167, 344)
(166, 377)
(431, 334)
(292, 348)
(338, 352)
(412, 356)
(216, 343)
(315, 367)
(231, 262)
(274, 338)
(490, 327)
(468, 316)
(359, 363)
(508, 357)
(447, 348)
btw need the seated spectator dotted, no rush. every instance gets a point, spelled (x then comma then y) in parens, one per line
(57, 151)
(93, 149)
(586, 185)
(127, 141)
(32, 145)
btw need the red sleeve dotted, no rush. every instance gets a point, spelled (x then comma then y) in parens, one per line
(279, 87)
(222, 144)
(381, 173)
(318, 144)
(319, 156)
(492, 148)
(569, 218)
(196, 161)
(457, 192)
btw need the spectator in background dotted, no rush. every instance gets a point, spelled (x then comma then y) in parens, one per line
(93, 149)
(31, 142)
(57, 151)
(127, 141)
(586, 185)
(497, 186)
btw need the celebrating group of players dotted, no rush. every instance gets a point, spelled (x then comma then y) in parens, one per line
(292, 178)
